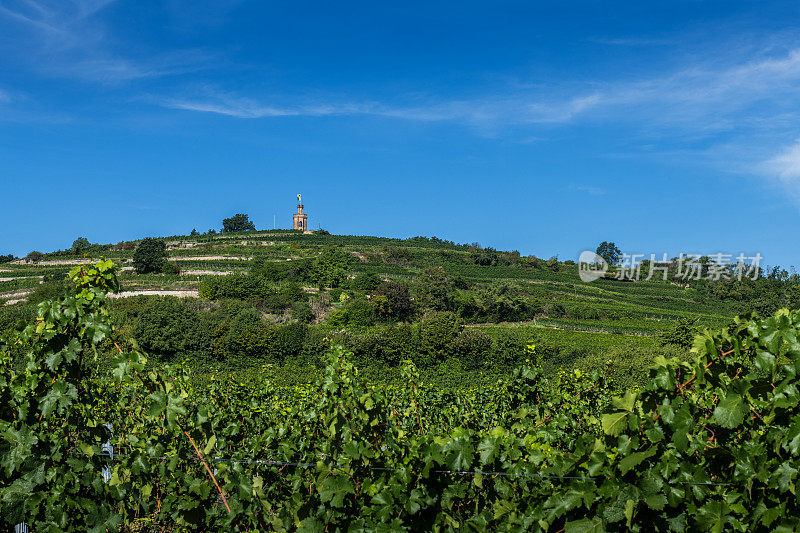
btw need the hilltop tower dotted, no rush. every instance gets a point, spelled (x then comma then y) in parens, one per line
(300, 219)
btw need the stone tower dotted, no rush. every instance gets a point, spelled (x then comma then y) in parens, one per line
(300, 219)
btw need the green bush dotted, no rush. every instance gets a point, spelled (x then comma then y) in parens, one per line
(682, 335)
(245, 341)
(366, 282)
(150, 256)
(80, 245)
(473, 348)
(171, 267)
(275, 271)
(386, 348)
(301, 311)
(34, 257)
(437, 332)
(236, 286)
(48, 290)
(287, 342)
(509, 347)
(434, 290)
(166, 326)
(392, 301)
(329, 268)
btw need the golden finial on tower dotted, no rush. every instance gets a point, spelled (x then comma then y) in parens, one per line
(298, 199)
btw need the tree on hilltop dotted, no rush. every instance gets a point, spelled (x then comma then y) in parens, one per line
(238, 222)
(34, 257)
(609, 252)
(150, 256)
(80, 245)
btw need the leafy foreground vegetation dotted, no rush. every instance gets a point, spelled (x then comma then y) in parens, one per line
(709, 444)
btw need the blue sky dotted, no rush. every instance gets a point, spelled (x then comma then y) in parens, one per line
(541, 127)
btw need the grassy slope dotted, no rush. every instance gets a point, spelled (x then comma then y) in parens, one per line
(645, 308)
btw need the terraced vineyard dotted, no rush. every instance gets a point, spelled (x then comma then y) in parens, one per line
(542, 302)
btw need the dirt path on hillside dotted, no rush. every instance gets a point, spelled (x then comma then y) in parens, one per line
(57, 262)
(208, 258)
(179, 294)
(533, 324)
(15, 297)
(205, 272)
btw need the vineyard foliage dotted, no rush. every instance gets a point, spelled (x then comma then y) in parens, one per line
(708, 444)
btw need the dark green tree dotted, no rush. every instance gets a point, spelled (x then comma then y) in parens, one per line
(437, 332)
(80, 245)
(238, 222)
(434, 290)
(150, 256)
(330, 267)
(34, 257)
(682, 334)
(609, 252)
(392, 301)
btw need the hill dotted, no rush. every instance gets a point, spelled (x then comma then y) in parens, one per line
(230, 302)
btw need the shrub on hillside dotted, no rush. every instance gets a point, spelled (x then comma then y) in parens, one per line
(434, 290)
(47, 290)
(301, 311)
(437, 332)
(34, 257)
(682, 335)
(386, 348)
(554, 310)
(357, 312)
(150, 256)
(365, 282)
(297, 270)
(238, 222)
(392, 301)
(234, 286)
(329, 268)
(166, 326)
(287, 342)
(80, 246)
(509, 347)
(245, 339)
(396, 254)
(171, 267)
(473, 348)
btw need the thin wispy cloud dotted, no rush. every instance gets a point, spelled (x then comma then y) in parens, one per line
(588, 189)
(698, 98)
(632, 41)
(223, 103)
(786, 166)
(69, 40)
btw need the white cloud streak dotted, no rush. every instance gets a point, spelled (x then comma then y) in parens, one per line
(698, 98)
(786, 166)
(66, 40)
